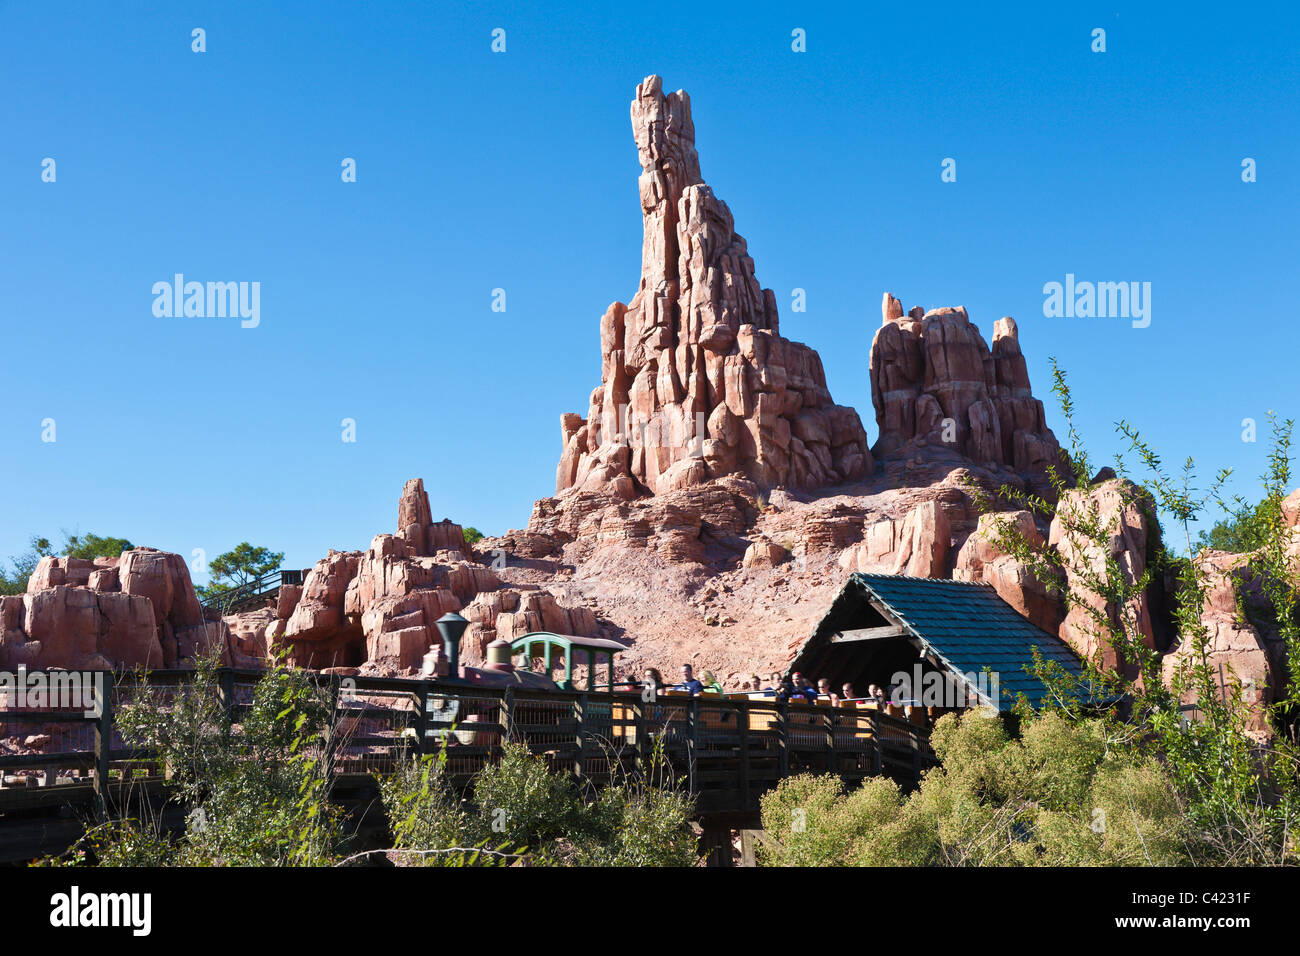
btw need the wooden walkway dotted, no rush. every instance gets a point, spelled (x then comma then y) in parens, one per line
(726, 751)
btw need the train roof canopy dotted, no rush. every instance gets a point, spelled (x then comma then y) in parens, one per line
(550, 642)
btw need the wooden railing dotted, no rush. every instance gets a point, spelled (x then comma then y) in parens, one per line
(726, 751)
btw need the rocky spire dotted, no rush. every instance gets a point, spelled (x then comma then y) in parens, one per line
(936, 384)
(696, 381)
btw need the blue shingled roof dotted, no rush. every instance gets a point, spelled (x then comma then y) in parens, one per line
(970, 629)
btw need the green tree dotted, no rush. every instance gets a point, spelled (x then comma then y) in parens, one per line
(1239, 532)
(473, 535)
(244, 563)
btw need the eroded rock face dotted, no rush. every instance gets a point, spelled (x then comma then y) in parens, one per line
(164, 578)
(136, 610)
(937, 385)
(980, 559)
(1242, 647)
(415, 524)
(1115, 505)
(75, 627)
(916, 545)
(316, 627)
(376, 609)
(696, 380)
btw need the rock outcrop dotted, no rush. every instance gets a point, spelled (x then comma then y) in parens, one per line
(981, 559)
(376, 609)
(135, 610)
(696, 380)
(937, 387)
(315, 626)
(1117, 507)
(1244, 652)
(415, 524)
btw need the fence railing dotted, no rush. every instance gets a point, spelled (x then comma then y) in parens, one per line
(726, 751)
(252, 593)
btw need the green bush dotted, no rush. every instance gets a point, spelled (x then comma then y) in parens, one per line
(425, 814)
(255, 794)
(519, 798)
(1053, 796)
(520, 809)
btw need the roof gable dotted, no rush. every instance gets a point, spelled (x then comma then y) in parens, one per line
(965, 627)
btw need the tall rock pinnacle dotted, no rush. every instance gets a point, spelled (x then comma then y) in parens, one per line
(696, 381)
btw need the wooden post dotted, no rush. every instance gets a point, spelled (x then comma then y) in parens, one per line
(748, 858)
(331, 739)
(507, 714)
(832, 766)
(742, 730)
(104, 741)
(877, 760)
(226, 695)
(783, 739)
(579, 764)
(421, 716)
(715, 845)
(692, 732)
(639, 751)
(915, 740)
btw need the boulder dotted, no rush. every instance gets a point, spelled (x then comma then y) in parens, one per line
(764, 554)
(75, 627)
(981, 559)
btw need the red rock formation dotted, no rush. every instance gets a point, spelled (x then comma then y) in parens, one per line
(415, 524)
(1241, 649)
(75, 627)
(1291, 508)
(980, 559)
(164, 579)
(377, 609)
(317, 629)
(696, 381)
(916, 545)
(1117, 507)
(937, 386)
(136, 610)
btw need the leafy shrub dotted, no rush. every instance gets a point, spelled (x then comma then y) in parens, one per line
(521, 808)
(256, 793)
(1054, 796)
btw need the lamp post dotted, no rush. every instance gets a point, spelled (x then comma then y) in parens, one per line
(451, 626)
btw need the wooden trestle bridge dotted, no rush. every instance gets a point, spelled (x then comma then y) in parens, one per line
(726, 751)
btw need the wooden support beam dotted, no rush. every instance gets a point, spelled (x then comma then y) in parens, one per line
(104, 739)
(869, 634)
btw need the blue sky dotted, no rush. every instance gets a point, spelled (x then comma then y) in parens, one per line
(478, 170)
